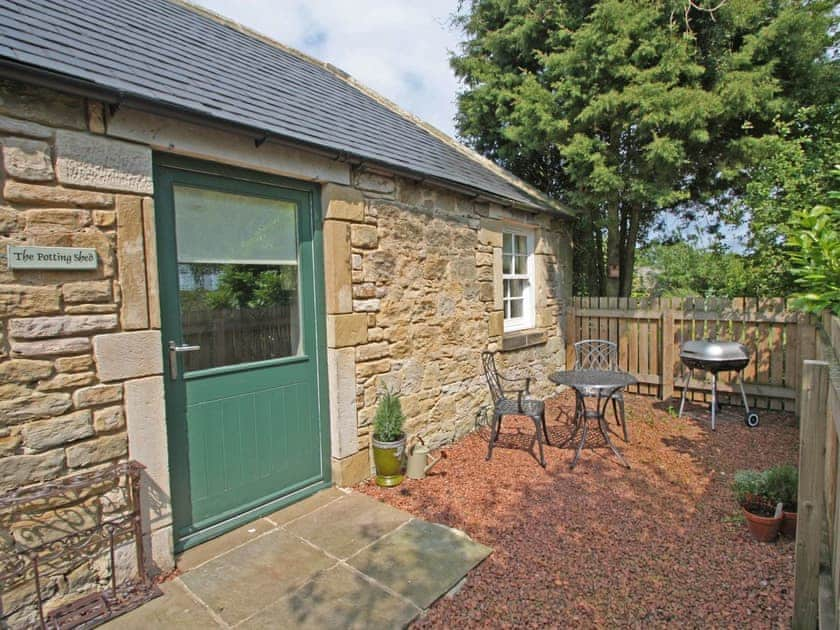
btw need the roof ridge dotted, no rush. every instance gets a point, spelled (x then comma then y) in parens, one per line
(382, 100)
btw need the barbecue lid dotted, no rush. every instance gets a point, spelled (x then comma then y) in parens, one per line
(714, 350)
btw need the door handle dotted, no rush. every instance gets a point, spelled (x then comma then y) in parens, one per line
(174, 350)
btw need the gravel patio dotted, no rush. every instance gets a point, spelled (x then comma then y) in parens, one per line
(659, 545)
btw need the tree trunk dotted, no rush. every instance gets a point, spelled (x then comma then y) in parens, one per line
(613, 248)
(628, 258)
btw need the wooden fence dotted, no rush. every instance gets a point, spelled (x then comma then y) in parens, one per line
(649, 332)
(230, 336)
(817, 590)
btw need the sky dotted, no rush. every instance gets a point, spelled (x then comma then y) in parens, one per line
(400, 48)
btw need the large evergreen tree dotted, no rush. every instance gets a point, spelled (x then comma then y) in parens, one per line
(625, 108)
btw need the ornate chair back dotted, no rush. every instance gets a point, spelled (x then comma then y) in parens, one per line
(488, 361)
(596, 354)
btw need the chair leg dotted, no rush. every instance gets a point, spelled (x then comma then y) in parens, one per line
(538, 425)
(545, 430)
(494, 434)
(624, 420)
(615, 411)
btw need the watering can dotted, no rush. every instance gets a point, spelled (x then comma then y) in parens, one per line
(417, 466)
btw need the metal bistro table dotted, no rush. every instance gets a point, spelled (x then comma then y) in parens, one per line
(597, 384)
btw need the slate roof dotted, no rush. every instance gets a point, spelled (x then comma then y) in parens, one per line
(169, 54)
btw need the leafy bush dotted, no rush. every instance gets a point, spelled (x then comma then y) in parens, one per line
(759, 491)
(814, 239)
(782, 484)
(389, 419)
(748, 483)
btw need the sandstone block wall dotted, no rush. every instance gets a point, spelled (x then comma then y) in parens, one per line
(420, 299)
(73, 343)
(413, 295)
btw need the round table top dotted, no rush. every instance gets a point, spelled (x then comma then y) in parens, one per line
(593, 379)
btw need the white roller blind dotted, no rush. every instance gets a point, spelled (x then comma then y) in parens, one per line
(220, 227)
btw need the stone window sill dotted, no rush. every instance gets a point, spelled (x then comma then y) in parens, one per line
(523, 339)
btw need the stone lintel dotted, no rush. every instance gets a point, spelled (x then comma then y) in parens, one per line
(95, 161)
(496, 325)
(122, 356)
(342, 203)
(498, 284)
(341, 367)
(147, 442)
(131, 261)
(350, 470)
(346, 330)
(490, 233)
(338, 275)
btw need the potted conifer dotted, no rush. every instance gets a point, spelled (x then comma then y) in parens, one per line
(389, 440)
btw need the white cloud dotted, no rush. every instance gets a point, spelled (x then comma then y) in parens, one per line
(399, 48)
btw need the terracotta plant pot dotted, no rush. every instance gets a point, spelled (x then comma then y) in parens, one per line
(788, 528)
(388, 458)
(763, 528)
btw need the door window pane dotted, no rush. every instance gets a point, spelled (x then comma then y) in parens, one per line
(213, 226)
(237, 276)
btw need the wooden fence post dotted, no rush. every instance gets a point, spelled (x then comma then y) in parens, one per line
(666, 363)
(814, 401)
(570, 333)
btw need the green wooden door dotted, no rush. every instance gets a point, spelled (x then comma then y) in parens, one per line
(239, 257)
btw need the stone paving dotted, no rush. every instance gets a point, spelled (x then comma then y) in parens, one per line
(338, 559)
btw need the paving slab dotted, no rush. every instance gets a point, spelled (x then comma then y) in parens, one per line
(345, 526)
(255, 575)
(282, 571)
(336, 598)
(174, 609)
(307, 505)
(225, 543)
(422, 561)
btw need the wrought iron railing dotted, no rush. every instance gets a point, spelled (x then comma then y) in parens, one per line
(54, 527)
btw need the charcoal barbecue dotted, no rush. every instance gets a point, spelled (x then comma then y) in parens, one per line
(715, 357)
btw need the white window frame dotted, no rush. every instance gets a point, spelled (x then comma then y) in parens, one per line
(512, 324)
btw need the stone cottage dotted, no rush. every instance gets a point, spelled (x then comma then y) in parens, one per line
(217, 250)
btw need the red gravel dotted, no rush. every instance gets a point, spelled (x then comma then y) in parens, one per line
(659, 545)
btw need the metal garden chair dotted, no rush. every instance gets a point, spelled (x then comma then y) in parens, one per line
(506, 405)
(600, 354)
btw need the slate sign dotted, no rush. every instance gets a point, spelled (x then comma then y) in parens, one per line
(69, 258)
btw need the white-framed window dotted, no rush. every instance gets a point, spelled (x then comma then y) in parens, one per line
(518, 278)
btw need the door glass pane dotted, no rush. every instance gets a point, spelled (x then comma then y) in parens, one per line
(237, 277)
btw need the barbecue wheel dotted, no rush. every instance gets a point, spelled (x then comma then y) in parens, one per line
(751, 419)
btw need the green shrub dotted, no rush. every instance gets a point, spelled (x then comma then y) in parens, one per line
(759, 491)
(389, 419)
(782, 484)
(748, 484)
(814, 240)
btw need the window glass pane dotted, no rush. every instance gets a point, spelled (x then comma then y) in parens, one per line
(521, 244)
(507, 243)
(517, 288)
(220, 227)
(507, 309)
(516, 308)
(507, 263)
(521, 265)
